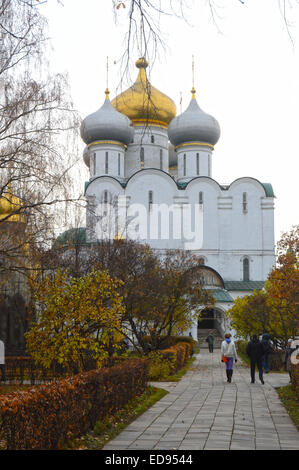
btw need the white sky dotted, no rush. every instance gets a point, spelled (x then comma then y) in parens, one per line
(246, 76)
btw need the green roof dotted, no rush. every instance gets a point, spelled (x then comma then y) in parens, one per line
(244, 285)
(221, 295)
(73, 235)
(268, 189)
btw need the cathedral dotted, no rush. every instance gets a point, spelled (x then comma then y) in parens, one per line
(144, 157)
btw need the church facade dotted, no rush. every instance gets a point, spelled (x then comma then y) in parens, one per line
(142, 156)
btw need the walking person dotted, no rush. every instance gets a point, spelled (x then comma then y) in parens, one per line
(287, 357)
(210, 341)
(228, 355)
(268, 348)
(255, 352)
(2, 360)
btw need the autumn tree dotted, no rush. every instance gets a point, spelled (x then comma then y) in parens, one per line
(75, 316)
(162, 295)
(252, 314)
(283, 285)
(276, 308)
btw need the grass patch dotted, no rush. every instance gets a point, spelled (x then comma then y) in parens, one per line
(108, 429)
(290, 402)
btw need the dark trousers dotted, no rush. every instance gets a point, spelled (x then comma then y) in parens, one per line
(256, 362)
(2, 368)
(211, 347)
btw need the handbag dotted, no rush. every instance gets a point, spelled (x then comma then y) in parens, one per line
(224, 358)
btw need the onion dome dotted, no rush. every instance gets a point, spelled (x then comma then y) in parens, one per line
(194, 125)
(106, 124)
(9, 203)
(144, 103)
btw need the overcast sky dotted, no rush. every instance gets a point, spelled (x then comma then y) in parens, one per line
(246, 76)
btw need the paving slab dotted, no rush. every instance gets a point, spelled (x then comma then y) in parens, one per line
(203, 411)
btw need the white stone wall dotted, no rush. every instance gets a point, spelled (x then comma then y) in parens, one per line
(192, 169)
(116, 154)
(229, 233)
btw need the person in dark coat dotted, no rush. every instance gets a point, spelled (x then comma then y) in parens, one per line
(255, 351)
(267, 345)
(210, 341)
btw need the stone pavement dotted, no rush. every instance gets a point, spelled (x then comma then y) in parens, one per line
(203, 411)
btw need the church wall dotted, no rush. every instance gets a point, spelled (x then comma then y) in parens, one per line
(143, 139)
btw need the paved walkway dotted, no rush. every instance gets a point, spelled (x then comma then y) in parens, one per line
(203, 411)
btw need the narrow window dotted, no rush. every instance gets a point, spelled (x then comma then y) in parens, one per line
(150, 200)
(94, 163)
(152, 139)
(246, 269)
(197, 163)
(106, 162)
(200, 198)
(184, 164)
(244, 203)
(118, 164)
(105, 197)
(142, 157)
(161, 159)
(209, 165)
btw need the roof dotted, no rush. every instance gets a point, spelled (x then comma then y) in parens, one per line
(73, 235)
(221, 295)
(244, 285)
(183, 184)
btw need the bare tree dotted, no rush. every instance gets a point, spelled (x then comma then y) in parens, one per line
(38, 131)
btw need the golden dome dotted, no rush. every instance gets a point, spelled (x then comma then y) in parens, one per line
(143, 103)
(9, 203)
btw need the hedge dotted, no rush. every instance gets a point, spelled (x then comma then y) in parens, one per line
(47, 415)
(176, 356)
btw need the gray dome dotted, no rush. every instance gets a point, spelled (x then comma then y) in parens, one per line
(86, 156)
(106, 124)
(193, 125)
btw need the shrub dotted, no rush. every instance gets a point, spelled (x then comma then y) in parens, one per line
(46, 416)
(169, 361)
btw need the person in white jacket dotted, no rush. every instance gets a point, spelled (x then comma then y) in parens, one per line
(228, 355)
(2, 360)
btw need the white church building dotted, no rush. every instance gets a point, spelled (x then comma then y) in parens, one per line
(141, 154)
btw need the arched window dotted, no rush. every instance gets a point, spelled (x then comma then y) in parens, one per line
(161, 159)
(152, 139)
(106, 163)
(142, 157)
(201, 261)
(150, 200)
(209, 165)
(197, 163)
(246, 269)
(244, 203)
(184, 165)
(200, 198)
